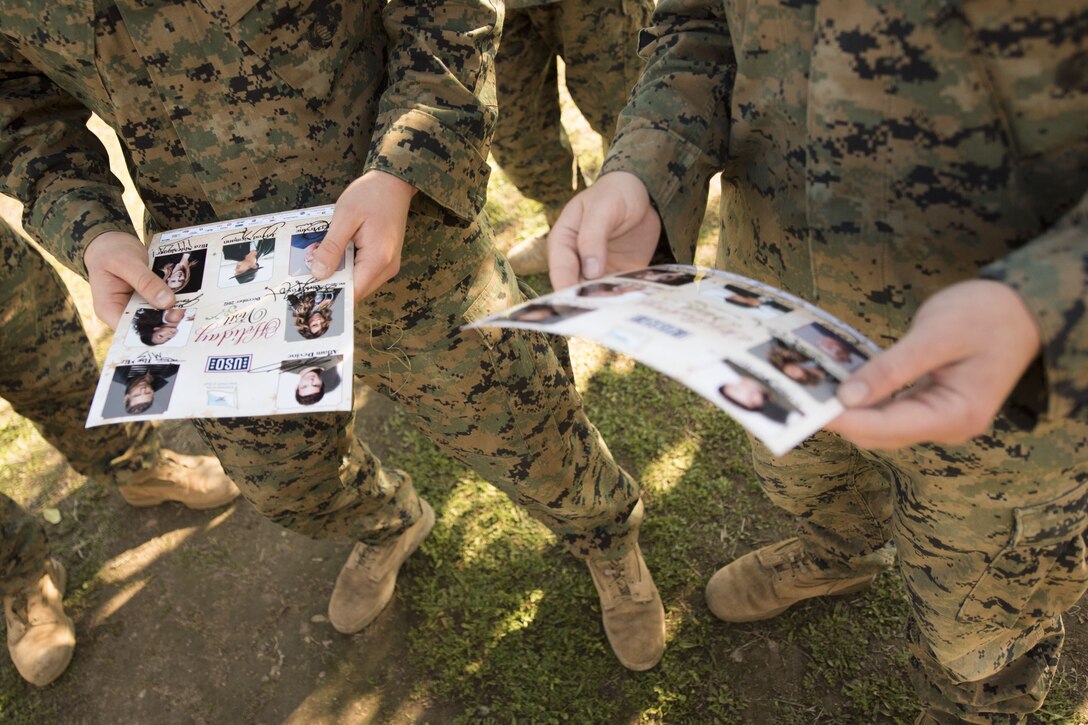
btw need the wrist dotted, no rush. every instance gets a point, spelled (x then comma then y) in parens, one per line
(106, 241)
(391, 185)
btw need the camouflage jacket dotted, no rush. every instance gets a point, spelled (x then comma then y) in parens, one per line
(227, 108)
(522, 4)
(873, 153)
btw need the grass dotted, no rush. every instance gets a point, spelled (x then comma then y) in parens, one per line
(503, 626)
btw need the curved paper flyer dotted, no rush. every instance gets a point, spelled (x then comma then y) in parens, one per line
(768, 358)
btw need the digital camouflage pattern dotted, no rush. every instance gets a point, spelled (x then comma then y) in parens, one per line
(597, 40)
(234, 108)
(24, 548)
(49, 376)
(872, 154)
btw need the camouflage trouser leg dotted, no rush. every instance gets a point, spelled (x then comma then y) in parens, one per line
(991, 538)
(23, 548)
(50, 373)
(498, 401)
(597, 40)
(600, 50)
(840, 496)
(311, 474)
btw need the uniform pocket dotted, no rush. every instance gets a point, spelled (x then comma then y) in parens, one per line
(1042, 571)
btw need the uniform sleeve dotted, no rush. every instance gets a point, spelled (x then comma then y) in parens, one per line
(53, 164)
(1051, 276)
(673, 132)
(437, 114)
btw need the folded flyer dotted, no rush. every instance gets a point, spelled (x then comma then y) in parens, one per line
(768, 358)
(251, 331)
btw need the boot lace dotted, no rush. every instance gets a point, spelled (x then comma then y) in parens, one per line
(615, 573)
(367, 556)
(792, 564)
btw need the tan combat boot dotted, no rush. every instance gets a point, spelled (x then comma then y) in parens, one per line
(770, 580)
(195, 481)
(530, 256)
(40, 636)
(631, 609)
(366, 581)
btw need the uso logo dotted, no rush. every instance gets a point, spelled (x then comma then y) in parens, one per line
(228, 364)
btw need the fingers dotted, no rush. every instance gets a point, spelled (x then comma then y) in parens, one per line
(874, 419)
(112, 288)
(108, 307)
(599, 224)
(968, 346)
(943, 412)
(326, 258)
(372, 214)
(116, 266)
(919, 352)
(146, 283)
(602, 230)
(377, 260)
(564, 259)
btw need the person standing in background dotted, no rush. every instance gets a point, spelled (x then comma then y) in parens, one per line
(597, 40)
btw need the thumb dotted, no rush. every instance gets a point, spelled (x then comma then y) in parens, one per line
(599, 223)
(564, 262)
(331, 250)
(113, 286)
(133, 270)
(151, 287)
(915, 355)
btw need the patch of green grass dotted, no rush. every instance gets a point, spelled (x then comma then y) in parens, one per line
(507, 625)
(1067, 703)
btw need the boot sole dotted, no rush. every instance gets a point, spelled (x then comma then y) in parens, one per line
(148, 500)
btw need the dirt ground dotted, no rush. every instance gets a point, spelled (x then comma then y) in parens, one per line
(219, 617)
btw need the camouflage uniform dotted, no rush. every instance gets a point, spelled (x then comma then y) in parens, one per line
(597, 41)
(49, 376)
(874, 153)
(228, 108)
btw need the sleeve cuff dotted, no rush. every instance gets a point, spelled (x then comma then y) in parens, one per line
(72, 220)
(676, 174)
(416, 147)
(1051, 277)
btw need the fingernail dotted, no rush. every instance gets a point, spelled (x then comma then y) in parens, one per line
(164, 298)
(853, 392)
(591, 268)
(319, 269)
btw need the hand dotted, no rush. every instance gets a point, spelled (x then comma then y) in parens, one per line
(247, 263)
(610, 227)
(117, 266)
(967, 348)
(372, 214)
